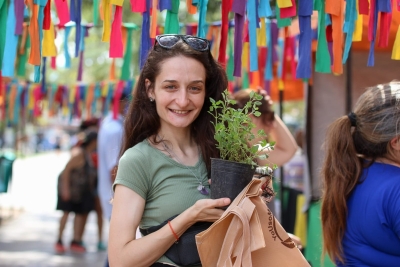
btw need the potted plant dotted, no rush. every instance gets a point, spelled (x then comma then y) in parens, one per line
(233, 133)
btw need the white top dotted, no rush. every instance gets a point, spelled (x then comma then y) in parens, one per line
(109, 143)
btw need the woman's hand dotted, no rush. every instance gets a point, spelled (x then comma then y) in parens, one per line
(207, 209)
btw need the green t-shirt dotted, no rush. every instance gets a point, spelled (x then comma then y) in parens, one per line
(168, 187)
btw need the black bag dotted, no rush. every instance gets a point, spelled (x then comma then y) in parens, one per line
(184, 251)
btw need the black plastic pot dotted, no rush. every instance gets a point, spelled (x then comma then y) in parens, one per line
(228, 178)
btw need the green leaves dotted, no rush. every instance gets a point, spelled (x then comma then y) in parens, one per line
(234, 129)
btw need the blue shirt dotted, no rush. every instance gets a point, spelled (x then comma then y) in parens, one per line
(372, 236)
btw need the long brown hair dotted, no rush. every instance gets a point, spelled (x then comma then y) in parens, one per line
(364, 134)
(142, 120)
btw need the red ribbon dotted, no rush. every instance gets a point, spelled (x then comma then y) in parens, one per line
(138, 6)
(47, 16)
(117, 96)
(226, 6)
(62, 11)
(116, 45)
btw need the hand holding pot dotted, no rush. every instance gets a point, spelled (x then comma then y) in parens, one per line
(208, 209)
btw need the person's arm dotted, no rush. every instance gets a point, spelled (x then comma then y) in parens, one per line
(126, 250)
(285, 144)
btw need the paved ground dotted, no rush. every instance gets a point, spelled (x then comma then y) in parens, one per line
(29, 222)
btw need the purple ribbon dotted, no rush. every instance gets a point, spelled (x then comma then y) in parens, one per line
(238, 45)
(43, 84)
(384, 6)
(239, 8)
(145, 40)
(76, 15)
(19, 8)
(304, 61)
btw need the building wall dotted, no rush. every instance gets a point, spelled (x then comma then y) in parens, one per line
(328, 101)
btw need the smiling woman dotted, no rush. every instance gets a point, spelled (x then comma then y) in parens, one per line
(162, 180)
(178, 98)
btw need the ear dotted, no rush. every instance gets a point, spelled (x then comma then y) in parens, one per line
(395, 143)
(149, 88)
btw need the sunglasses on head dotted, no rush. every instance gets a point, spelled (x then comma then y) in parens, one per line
(167, 41)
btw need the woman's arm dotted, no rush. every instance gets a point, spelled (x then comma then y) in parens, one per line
(285, 145)
(128, 206)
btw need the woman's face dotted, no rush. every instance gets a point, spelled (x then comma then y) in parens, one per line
(179, 91)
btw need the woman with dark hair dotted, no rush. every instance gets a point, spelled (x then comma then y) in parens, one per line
(361, 176)
(285, 145)
(168, 143)
(76, 191)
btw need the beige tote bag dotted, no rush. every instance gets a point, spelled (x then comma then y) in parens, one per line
(248, 235)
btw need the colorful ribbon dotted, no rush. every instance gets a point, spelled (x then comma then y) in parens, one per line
(10, 48)
(238, 7)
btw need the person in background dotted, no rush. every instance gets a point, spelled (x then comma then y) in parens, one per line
(93, 125)
(285, 145)
(167, 151)
(108, 149)
(76, 192)
(360, 211)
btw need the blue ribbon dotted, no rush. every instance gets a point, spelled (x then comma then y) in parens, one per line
(281, 44)
(76, 15)
(351, 16)
(251, 11)
(165, 4)
(67, 30)
(371, 55)
(264, 9)
(268, 66)
(304, 62)
(202, 8)
(11, 42)
(384, 6)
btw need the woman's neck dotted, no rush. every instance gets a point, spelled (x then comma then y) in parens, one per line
(389, 161)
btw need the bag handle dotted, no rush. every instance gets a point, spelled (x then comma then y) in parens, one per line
(234, 238)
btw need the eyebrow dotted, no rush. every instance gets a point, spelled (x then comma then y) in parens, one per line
(174, 81)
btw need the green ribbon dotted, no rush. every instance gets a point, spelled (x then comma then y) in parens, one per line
(282, 22)
(172, 20)
(245, 79)
(231, 63)
(3, 27)
(323, 58)
(22, 59)
(125, 71)
(95, 12)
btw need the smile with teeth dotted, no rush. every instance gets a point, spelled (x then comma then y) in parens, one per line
(180, 111)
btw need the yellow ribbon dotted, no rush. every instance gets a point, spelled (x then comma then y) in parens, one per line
(107, 20)
(284, 3)
(261, 34)
(358, 30)
(396, 46)
(49, 48)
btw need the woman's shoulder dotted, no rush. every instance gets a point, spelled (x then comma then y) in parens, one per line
(140, 151)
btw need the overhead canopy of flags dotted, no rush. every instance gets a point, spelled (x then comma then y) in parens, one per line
(266, 45)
